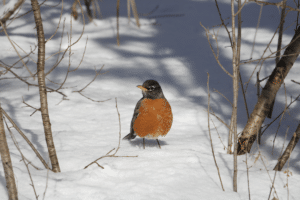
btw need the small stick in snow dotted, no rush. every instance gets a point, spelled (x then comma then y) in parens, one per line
(114, 154)
(158, 143)
(212, 147)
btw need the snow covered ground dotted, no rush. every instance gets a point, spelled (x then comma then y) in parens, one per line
(174, 51)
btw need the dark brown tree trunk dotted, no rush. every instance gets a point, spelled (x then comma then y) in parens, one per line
(268, 94)
(6, 162)
(89, 12)
(42, 86)
(287, 153)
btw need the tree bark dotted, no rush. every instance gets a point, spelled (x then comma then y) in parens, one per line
(42, 86)
(6, 162)
(235, 80)
(287, 153)
(268, 94)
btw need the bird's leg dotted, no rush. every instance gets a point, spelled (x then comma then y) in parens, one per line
(158, 143)
(144, 142)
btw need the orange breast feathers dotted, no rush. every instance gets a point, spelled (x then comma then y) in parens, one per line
(154, 119)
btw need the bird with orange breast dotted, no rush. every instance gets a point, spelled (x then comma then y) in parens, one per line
(152, 115)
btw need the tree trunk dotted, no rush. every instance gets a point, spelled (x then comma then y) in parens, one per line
(6, 162)
(42, 86)
(287, 153)
(235, 80)
(268, 94)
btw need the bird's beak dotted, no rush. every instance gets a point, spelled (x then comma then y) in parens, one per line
(142, 88)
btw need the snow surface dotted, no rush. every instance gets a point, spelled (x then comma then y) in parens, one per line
(174, 51)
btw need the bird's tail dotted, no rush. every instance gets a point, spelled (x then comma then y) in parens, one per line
(129, 136)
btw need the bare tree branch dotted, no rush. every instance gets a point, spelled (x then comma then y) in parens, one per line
(11, 12)
(287, 153)
(42, 86)
(16, 50)
(208, 123)
(268, 94)
(114, 154)
(6, 162)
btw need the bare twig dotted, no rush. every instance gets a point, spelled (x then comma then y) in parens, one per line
(229, 36)
(219, 118)
(248, 176)
(280, 33)
(296, 82)
(23, 158)
(149, 13)
(46, 187)
(30, 84)
(223, 96)
(279, 124)
(276, 170)
(65, 51)
(114, 154)
(135, 13)
(167, 15)
(61, 12)
(240, 8)
(8, 170)
(216, 57)
(82, 56)
(27, 105)
(258, 94)
(97, 74)
(218, 134)
(208, 121)
(11, 12)
(244, 93)
(28, 11)
(279, 4)
(259, 17)
(16, 50)
(26, 139)
(267, 126)
(118, 14)
(26, 52)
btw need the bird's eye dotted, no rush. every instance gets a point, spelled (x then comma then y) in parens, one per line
(151, 88)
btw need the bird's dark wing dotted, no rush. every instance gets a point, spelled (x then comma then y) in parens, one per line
(136, 112)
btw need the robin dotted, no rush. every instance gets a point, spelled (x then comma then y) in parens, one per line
(152, 115)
